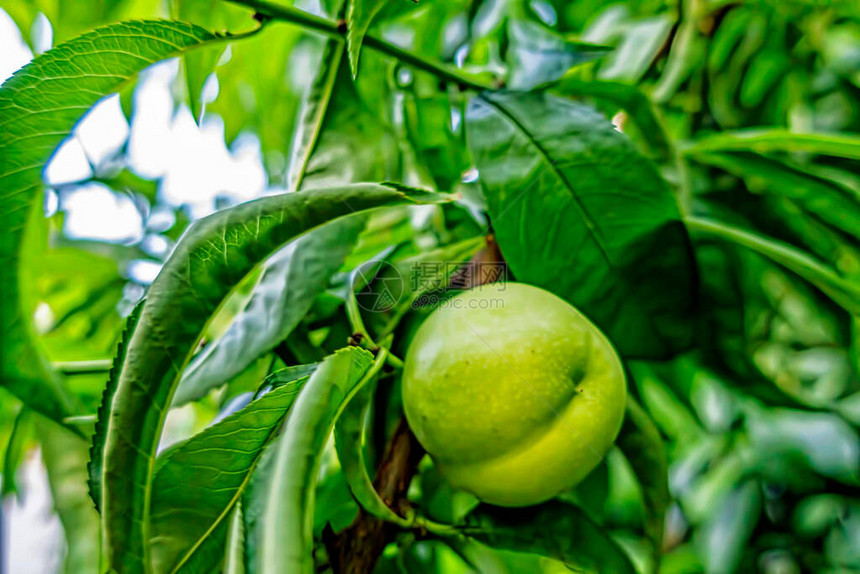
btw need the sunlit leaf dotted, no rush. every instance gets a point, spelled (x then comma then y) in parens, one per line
(776, 140)
(313, 113)
(539, 54)
(15, 448)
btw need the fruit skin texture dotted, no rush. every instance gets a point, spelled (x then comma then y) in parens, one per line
(513, 392)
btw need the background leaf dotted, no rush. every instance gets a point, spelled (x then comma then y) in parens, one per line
(15, 449)
(555, 529)
(65, 455)
(539, 55)
(762, 141)
(641, 443)
(843, 292)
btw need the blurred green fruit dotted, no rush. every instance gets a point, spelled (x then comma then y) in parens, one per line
(514, 393)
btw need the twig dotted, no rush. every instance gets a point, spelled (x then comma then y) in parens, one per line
(266, 9)
(356, 549)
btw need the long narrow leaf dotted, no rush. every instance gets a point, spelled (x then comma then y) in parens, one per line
(289, 283)
(97, 443)
(359, 15)
(349, 442)
(838, 145)
(840, 290)
(199, 484)
(287, 535)
(641, 443)
(216, 253)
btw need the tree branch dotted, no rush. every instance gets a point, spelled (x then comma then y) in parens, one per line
(330, 28)
(356, 549)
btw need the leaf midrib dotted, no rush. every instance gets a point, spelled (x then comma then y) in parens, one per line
(232, 503)
(590, 223)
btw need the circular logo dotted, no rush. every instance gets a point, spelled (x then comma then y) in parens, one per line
(378, 286)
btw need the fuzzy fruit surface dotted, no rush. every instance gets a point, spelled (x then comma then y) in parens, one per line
(514, 393)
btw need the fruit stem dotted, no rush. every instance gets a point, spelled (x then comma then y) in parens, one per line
(395, 361)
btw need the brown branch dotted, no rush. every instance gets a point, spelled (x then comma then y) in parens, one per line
(356, 549)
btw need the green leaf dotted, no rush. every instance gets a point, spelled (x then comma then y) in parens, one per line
(99, 438)
(70, 20)
(354, 143)
(292, 279)
(15, 448)
(254, 503)
(199, 483)
(216, 254)
(414, 282)
(538, 54)
(638, 42)
(576, 210)
(65, 455)
(842, 292)
(349, 438)
(359, 15)
(289, 283)
(779, 140)
(836, 204)
(314, 112)
(39, 106)
(554, 529)
(723, 538)
(286, 375)
(641, 443)
(199, 64)
(630, 98)
(287, 532)
(234, 561)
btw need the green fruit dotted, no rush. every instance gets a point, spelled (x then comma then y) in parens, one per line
(514, 393)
